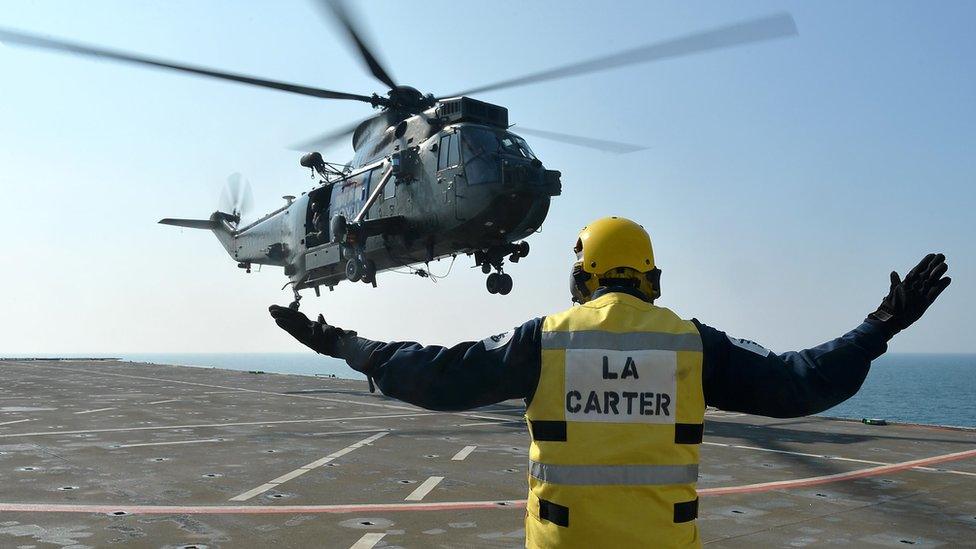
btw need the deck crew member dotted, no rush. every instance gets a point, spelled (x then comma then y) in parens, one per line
(616, 388)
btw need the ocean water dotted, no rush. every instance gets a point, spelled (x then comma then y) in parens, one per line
(937, 389)
(307, 364)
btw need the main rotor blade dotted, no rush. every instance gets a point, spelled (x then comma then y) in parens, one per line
(599, 144)
(325, 140)
(34, 41)
(747, 32)
(338, 10)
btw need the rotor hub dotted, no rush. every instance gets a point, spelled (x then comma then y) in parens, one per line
(405, 98)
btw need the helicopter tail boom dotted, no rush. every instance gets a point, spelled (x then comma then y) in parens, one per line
(208, 224)
(222, 225)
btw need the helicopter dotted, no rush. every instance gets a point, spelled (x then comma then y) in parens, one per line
(431, 176)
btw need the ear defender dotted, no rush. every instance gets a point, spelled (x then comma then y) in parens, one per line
(577, 284)
(654, 279)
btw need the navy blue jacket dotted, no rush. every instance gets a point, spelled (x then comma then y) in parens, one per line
(737, 374)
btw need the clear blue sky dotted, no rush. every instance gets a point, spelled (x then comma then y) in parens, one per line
(784, 180)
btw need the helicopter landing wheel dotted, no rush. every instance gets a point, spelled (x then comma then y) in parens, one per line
(499, 283)
(504, 283)
(493, 283)
(354, 270)
(369, 272)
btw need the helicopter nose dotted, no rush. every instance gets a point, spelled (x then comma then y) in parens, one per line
(553, 182)
(531, 177)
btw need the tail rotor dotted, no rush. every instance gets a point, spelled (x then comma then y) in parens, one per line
(236, 199)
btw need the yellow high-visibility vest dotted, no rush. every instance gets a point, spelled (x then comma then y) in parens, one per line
(616, 422)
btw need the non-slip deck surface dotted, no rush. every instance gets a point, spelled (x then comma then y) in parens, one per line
(102, 454)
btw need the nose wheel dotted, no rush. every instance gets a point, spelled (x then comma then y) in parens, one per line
(499, 283)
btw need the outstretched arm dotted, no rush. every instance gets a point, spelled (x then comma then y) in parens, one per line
(739, 375)
(742, 376)
(465, 376)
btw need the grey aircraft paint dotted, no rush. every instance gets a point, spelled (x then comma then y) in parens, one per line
(456, 181)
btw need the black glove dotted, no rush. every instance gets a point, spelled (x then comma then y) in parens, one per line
(318, 336)
(907, 299)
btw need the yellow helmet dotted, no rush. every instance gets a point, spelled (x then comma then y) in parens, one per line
(614, 251)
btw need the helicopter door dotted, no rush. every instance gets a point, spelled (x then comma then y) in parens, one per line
(319, 202)
(449, 170)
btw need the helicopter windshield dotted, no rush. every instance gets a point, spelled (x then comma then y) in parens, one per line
(481, 148)
(513, 144)
(479, 141)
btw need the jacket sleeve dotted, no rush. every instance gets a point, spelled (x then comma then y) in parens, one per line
(465, 376)
(740, 375)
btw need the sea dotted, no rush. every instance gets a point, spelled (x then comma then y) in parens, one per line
(934, 389)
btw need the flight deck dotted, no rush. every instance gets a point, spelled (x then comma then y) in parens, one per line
(118, 454)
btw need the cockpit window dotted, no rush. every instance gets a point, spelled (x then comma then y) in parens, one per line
(525, 147)
(515, 145)
(479, 141)
(448, 156)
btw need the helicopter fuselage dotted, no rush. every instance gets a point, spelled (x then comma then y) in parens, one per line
(463, 184)
(431, 176)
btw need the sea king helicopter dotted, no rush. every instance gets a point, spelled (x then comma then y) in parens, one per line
(431, 177)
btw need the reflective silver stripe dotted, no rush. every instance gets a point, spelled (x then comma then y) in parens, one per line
(629, 341)
(587, 475)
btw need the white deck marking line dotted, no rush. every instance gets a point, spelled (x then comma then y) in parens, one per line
(445, 505)
(16, 421)
(235, 389)
(721, 413)
(953, 471)
(508, 409)
(480, 423)
(493, 418)
(253, 492)
(241, 389)
(352, 432)
(424, 489)
(95, 410)
(837, 477)
(165, 401)
(368, 540)
(834, 458)
(302, 470)
(260, 509)
(463, 453)
(167, 443)
(204, 425)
